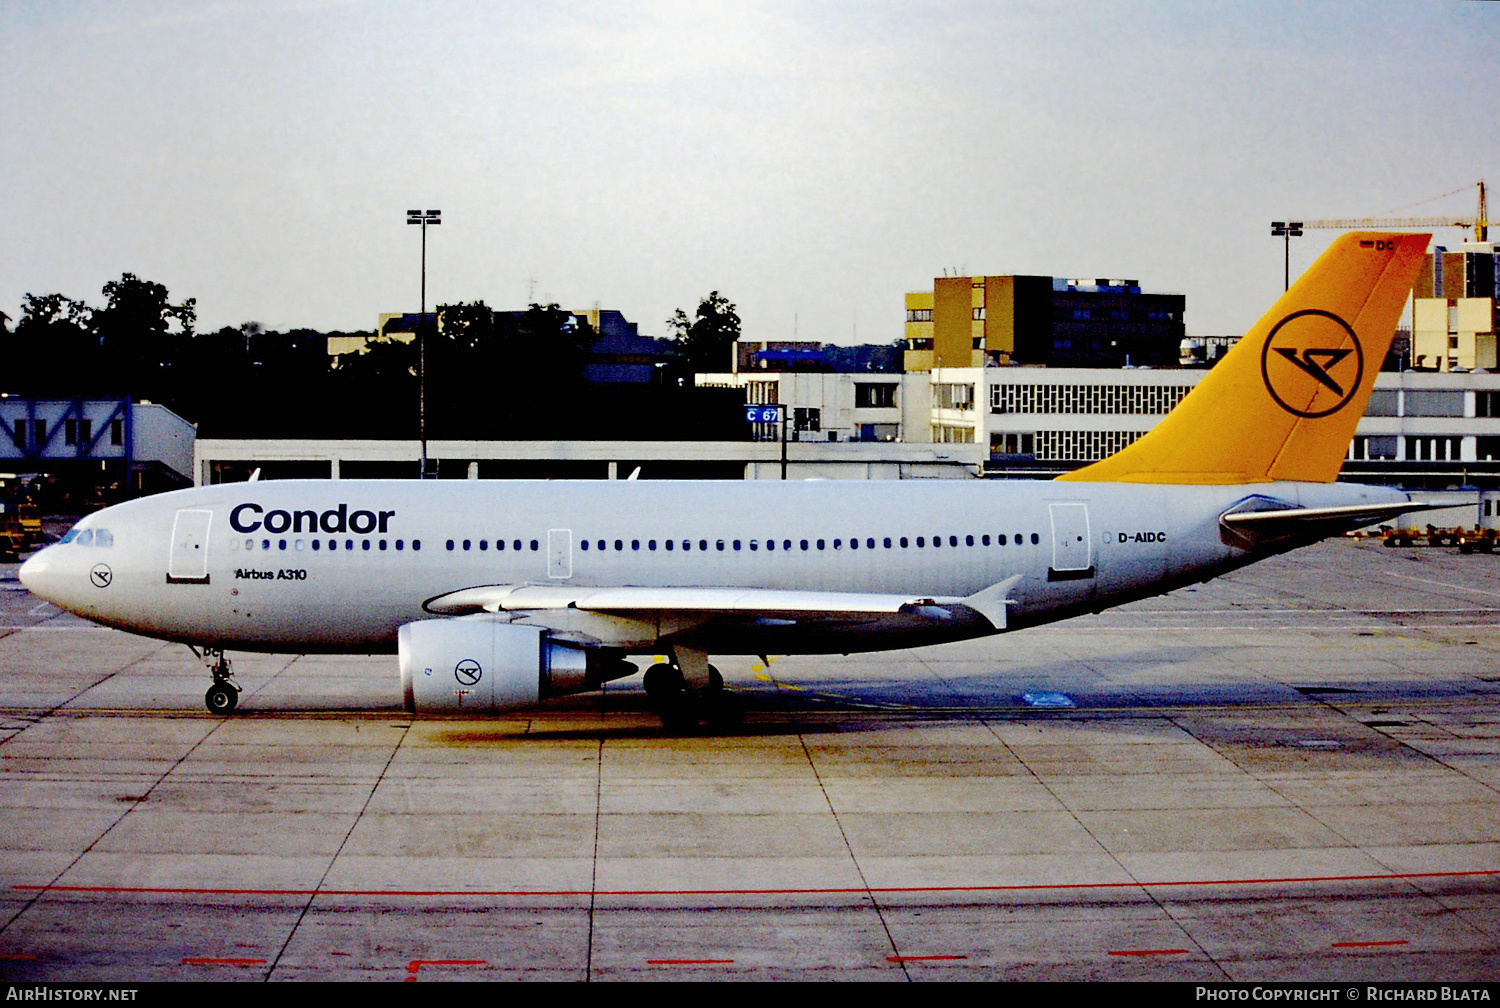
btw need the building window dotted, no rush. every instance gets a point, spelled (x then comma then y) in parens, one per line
(877, 432)
(919, 314)
(761, 392)
(1080, 445)
(1384, 402)
(1147, 400)
(955, 395)
(1373, 448)
(875, 395)
(116, 432)
(807, 419)
(1013, 443)
(1433, 449)
(38, 432)
(18, 435)
(1432, 403)
(948, 434)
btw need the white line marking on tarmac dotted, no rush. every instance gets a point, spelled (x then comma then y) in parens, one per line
(1441, 584)
(1330, 612)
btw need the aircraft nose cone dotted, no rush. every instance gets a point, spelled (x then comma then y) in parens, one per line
(34, 574)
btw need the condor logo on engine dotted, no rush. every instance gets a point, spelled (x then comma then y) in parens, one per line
(248, 518)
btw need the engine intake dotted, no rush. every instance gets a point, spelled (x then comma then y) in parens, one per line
(483, 665)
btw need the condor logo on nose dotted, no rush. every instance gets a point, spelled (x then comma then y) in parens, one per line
(247, 518)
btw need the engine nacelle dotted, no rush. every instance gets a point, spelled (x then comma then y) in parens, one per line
(484, 665)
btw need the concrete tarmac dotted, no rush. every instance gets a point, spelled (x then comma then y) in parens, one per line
(1292, 773)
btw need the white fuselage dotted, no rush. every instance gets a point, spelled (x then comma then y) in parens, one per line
(340, 565)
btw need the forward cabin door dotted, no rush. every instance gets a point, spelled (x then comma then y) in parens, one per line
(188, 562)
(1072, 548)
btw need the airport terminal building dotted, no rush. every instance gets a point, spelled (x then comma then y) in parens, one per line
(1422, 429)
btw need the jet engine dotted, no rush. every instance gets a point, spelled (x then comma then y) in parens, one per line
(484, 665)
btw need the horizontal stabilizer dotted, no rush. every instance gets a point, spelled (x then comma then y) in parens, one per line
(1315, 522)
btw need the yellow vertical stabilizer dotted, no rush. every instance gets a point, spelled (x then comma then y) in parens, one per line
(1284, 402)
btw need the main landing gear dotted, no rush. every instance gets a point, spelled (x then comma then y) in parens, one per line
(690, 690)
(224, 695)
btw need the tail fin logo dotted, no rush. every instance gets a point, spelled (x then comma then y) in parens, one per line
(1312, 363)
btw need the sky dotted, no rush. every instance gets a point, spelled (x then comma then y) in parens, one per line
(811, 161)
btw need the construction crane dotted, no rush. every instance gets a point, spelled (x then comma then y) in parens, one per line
(1480, 224)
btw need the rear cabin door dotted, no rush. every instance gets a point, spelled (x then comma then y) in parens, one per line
(188, 563)
(1072, 550)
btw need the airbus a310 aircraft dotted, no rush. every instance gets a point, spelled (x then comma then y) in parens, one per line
(496, 595)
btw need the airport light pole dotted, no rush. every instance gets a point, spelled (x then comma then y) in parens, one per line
(424, 218)
(1286, 232)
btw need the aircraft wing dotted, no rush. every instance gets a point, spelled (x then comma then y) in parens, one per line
(771, 602)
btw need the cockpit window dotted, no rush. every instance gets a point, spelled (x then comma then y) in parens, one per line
(88, 537)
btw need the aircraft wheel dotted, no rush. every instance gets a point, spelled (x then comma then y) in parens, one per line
(221, 699)
(661, 682)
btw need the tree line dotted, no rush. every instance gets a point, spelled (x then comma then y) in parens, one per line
(490, 375)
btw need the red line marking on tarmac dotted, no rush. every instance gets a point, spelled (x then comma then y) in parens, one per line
(923, 958)
(687, 962)
(1370, 944)
(18, 956)
(205, 961)
(842, 890)
(417, 964)
(1146, 952)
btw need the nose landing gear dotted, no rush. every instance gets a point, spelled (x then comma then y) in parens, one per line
(224, 695)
